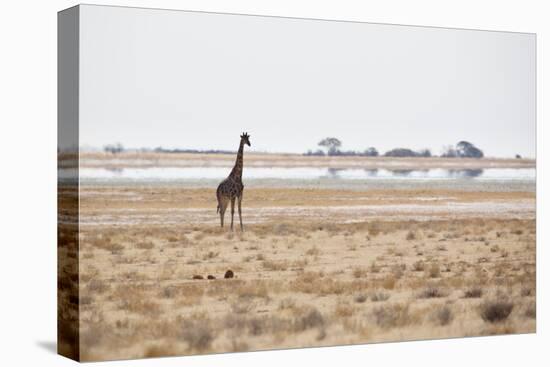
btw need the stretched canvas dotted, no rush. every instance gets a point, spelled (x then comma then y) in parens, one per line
(236, 183)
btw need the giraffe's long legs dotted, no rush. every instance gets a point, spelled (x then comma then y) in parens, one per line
(223, 207)
(232, 211)
(240, 215)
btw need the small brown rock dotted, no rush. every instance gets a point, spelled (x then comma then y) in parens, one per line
(229, 274)
(198, 277)
(211, 277)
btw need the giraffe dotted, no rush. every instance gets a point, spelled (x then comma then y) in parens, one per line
(232, 187)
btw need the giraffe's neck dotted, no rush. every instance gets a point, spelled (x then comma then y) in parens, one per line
(237, 172)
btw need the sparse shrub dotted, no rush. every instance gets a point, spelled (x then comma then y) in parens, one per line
(359, 272)
(97, 286)
(86, 300)
(432, 292)
(443, 315)
(145, 245)
(379, 296)
(374, 268)
(275, 265)
(314, 251)
(434, 271)
(311, 319)
(197, 334)
(210, 255)
(397, 270)
(527, 292)
(360, 298)
(343, 310)
(396, 315)
(374, 229)
(418, 266)
(242, 307)
(473, 292)
(496, 311)
(287, 303)
(411, 236)
(530, 310)
(169, 292)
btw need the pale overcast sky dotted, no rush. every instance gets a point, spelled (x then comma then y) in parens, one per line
(195, 80)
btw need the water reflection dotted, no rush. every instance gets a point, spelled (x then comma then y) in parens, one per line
(116, 170)
(465, 173)
(334, 172)
(302, 173)
(371, 172)
(402, 172)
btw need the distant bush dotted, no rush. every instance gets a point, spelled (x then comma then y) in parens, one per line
(113, 148)
(318, 153)
(193, 151)
(406, 152)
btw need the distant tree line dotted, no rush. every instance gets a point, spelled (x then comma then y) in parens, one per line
(332, 147)
(119, 148)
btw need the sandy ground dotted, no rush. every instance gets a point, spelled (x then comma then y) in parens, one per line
(254, 159)
(313, 267)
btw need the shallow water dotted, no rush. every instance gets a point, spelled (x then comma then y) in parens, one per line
(299, 173)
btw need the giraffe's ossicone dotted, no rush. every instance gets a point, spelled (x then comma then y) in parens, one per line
(232, 187)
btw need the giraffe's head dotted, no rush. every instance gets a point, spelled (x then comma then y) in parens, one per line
(245, 138)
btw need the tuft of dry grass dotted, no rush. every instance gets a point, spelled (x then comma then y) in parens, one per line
(344, 310)
(418, 266)
(530, 310)
(312, 318)
(433, 271)
(197, 334)
(379, 296)
(396, 315)
(145, 245)
(313, 251)
(360, 298)
(473, 292)
(432, 292)
(271, 265)
(97, 286)
(443, 315)
(527, 291)
(360, 272)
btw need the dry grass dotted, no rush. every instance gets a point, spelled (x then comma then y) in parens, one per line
(198, 335)
(392, 316)
(432, 292)
(443, 315)
(303, 282)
